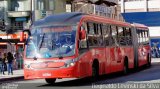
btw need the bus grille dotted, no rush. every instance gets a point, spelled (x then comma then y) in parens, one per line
(47, 65)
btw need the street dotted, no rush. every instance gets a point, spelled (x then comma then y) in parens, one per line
(79, 38)
(144, 76)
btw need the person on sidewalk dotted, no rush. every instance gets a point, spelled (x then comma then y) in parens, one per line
(4, 60)
(0, 65)
(10, 59)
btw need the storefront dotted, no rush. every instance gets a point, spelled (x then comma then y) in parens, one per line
(11, 43)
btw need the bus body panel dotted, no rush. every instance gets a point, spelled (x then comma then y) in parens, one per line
(143, 54)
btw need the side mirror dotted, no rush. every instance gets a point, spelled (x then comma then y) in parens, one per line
(21, 36)
(82, 34)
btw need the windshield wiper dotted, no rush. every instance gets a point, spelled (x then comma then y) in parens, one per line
(41, 41)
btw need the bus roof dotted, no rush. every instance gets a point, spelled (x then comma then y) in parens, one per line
(74, 17)
(69, 18)
(140, 26)
(102, 19)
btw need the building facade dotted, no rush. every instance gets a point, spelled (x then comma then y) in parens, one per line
(106, 8)
(139, 5)
(146, 12)
(17, 15)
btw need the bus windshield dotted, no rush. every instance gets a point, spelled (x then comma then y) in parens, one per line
(51, 41)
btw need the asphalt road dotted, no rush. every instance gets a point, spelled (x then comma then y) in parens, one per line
(143, 78)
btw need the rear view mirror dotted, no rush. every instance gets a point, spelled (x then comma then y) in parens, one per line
(82, 34)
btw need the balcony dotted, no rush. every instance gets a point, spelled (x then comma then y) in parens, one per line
(18, 13)
(112, 1)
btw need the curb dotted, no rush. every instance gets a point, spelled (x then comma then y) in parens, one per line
(11, 79)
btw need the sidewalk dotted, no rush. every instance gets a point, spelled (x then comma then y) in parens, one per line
(154, 60)
(17, 74)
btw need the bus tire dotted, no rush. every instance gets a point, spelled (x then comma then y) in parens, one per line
(125, 67)
(50, 80)
(148, 60)
(95, 71)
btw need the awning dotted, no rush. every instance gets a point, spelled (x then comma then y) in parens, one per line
(9, 36)
(147, 18)
(111, 2)
(21, 19)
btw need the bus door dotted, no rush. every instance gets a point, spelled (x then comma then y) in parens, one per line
(107, 37)
(115, 51)
(115, 56)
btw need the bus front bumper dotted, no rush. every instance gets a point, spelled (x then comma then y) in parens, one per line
(51, 73)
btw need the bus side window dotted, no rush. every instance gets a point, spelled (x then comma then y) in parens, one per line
(94, 35)
(144, 37)
(106, 34)
(83, 43)
(138, 35)
(99, 36)
(95, 41)
(147, 36)
(128, 36)
(91, 32)
(121, 36)
(113, 36)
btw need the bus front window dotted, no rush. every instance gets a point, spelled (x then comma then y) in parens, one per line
(51, 41)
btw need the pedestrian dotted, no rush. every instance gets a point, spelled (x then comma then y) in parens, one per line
(4, 60)
(10, 59)
(17, 60)
(0, 65)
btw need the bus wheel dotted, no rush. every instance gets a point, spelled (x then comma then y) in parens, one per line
(148, 60)
(125, 68)
(50, 80)
(95, 71)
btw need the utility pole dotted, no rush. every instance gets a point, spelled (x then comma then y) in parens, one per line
(31, 13)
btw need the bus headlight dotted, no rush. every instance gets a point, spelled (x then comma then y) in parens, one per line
(71, 63)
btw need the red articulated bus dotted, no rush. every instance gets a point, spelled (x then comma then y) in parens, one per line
(77, 45)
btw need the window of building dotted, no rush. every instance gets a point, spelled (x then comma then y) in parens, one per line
(17, 25)
(45, 4)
